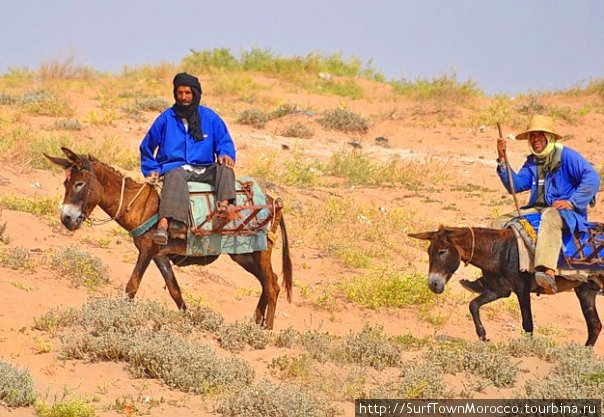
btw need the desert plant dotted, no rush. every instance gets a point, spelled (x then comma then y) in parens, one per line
(344, 120)
(235, 336)
(370, 347)
(67, 124)
(297, 130)
(16, 258)
(490, 362)
(268, 399)
(254, 117)
(445, 87)
(388, 287)
(81, 267)
(38, 206)
(418, 379)
(16, 386)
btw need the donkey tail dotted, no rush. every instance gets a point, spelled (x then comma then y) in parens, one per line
(286, 261)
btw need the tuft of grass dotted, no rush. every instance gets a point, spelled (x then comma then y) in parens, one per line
(285, 109)
(16, 386)
(71, 408)
(269, 399)
(43, 103)
(81, 267)
(358, 168)
(344, 120)
(292, 368)
(16, 258)
(388, 287)
(445, 87)
(67, 124)
(297, 130)
(38, 206)
(253, 117)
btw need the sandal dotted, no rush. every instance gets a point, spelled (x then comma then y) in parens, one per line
(160, 237)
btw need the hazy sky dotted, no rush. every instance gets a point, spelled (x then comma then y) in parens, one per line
(504, 45)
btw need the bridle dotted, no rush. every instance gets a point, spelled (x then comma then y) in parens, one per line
(98, 222)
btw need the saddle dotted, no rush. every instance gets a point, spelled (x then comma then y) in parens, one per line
(213, 232)
(580, 251)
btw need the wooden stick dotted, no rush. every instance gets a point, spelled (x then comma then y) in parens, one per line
(509, 171)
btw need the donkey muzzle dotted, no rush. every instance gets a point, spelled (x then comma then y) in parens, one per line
(72, 217)
(436, 282)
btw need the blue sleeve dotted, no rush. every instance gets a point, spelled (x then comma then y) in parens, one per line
(522, 180)
(586, 179)
(223, 141)
(150, 142)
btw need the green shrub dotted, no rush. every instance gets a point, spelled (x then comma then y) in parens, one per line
(344, 120)
(81, 267)
(16, 386)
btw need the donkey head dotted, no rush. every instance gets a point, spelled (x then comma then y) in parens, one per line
(443, 254)
(82, 191)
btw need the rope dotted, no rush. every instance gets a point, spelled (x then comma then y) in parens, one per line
(466, 263)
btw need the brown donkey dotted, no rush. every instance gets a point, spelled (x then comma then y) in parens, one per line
(89, 183)
(495, 252)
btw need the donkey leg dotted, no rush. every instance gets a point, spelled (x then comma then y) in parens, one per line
(484, 298)
(165, 267)
(255, 264)
(142, 262)
(587, 297)
(263, 259)
(523, 292)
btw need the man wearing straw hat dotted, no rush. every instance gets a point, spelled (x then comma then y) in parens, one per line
(562, 184)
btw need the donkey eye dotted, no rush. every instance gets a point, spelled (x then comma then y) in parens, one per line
(442, 252)
(78, 186)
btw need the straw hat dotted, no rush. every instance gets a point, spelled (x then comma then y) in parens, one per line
(538, 123)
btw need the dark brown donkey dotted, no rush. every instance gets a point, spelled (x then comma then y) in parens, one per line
(90, 183)
(495, 252)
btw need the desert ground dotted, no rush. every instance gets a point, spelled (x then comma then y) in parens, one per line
(361, 312)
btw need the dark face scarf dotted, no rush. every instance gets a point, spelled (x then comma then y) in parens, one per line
(190, 112)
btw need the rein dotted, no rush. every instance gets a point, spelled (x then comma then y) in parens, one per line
(466, 263)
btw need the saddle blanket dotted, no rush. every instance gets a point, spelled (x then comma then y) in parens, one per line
(203, 202)
(577, 249)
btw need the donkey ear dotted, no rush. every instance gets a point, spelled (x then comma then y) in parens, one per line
(73, 157)
(65, 163)
(422, 236)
